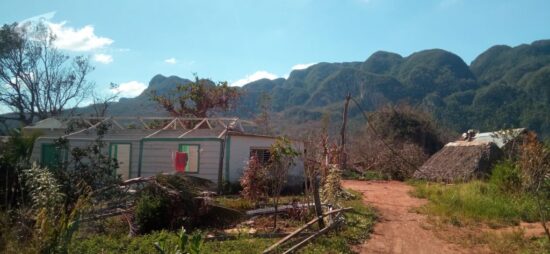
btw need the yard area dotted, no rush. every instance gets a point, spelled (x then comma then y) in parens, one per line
(477, 213)
(357, 227)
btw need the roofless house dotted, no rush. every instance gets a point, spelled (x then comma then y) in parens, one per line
(216, 149)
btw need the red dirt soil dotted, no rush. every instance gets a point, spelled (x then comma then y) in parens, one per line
(399, 229)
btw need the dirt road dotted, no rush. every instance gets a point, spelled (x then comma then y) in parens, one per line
(399, 229)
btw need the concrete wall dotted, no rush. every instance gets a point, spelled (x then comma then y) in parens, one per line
(239, 155)
(82, 142)
(156, 153)
(157, 157)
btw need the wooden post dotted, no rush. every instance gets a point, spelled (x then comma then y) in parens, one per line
(317, 200)
(343, 162)
(222, 155)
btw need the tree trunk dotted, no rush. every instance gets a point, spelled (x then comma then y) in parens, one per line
(317, 199)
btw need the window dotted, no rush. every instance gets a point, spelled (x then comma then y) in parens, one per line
(192, 152)
(262, 154)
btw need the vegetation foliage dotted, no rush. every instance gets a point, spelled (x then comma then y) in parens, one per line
(358, 225)
(396, 141)
(254, 180)
(199, 98)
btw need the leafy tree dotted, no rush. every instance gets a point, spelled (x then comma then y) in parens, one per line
(281, 159)
(40, 80)
(88, 167)
(199, 98)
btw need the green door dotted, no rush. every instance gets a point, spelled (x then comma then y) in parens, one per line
(51, 156)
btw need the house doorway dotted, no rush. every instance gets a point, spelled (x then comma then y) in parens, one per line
(122, 154)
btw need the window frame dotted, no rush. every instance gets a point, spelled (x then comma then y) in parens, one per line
(264, 161)
(180, 149)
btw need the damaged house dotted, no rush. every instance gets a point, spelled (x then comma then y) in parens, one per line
(216, 149)
(470, 158)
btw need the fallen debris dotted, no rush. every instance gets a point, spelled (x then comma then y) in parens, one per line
(338, 213)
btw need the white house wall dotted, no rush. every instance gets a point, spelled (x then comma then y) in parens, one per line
(157, 158)
(240, 153)
(156, 155)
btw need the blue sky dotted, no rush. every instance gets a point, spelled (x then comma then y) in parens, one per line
(237, 41)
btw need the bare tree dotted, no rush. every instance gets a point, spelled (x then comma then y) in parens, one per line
(101, 102)
(535, 164)
(39, 80)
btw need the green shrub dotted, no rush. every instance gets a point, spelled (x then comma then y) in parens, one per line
(186, 243)
(144, 244)
(152, 212)
(506, 176)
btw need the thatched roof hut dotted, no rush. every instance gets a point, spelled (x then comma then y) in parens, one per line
(460, 161)
(468, 159)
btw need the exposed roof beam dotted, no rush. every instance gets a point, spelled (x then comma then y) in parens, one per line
(165, 127)
(194, 128)
(117, 124)
(89, 128)
(144, 123)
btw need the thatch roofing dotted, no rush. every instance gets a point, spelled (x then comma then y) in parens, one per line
(460, 161)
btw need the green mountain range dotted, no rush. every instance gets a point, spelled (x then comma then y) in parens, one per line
(504, 87)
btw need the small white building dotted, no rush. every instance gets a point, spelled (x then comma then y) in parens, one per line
(217, 149)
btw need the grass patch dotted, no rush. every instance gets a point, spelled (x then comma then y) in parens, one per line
(476, 202)
(458, 212)
(515, 242)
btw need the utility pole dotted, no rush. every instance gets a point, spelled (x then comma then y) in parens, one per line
(343, 159)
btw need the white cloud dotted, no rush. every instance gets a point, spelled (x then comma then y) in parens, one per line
(79, 39)
(103, 58)
(301, 66)
(70, 38)
(129, 89)
(255, 76)
(171, 61)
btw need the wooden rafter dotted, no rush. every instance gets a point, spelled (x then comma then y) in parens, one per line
(165, 127)
(86, 129)
(144, 123)
(194, 128)
(224, 124)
